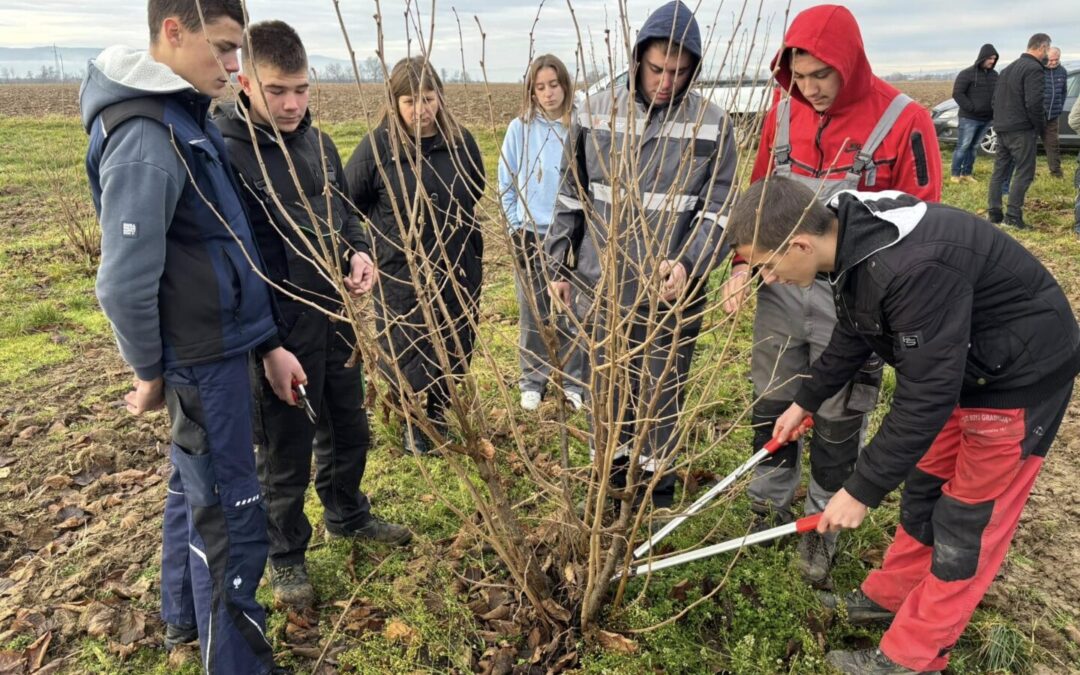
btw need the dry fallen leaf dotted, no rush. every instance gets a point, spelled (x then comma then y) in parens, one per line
(613, 642)
(487, 449)
(399, 631)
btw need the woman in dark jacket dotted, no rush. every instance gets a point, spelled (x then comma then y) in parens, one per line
(417, 178)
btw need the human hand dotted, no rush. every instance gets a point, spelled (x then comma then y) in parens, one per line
(282, 369)
(362, 274)
(147, 395)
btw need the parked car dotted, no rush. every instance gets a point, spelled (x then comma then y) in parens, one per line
(946, 118)
(742, 98)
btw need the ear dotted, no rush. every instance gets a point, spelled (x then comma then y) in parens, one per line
(172, 31)
(803, 243)
(245, 83)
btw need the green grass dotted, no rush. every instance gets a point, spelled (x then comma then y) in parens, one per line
(758, 622)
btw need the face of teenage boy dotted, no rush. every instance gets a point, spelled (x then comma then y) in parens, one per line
(664, 74)
(205, 57)
(419, 111)
(795, 264)
(286, 94)
(818, 82)
(548, 93)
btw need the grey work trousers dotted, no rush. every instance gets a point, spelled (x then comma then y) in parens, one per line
(792, 327)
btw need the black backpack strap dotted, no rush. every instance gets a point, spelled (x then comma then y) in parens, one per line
(116, 114)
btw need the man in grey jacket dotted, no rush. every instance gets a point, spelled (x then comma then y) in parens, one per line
(637, 228)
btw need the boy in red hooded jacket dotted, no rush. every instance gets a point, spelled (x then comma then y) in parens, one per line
(841, 128)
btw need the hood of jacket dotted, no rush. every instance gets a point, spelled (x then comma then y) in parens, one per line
(986, 52)
(120, 73)
(872, 222)
(673, 21)
(831, 34)
(231, 118)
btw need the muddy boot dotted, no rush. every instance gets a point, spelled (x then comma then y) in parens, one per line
(869, 662)
(176, 635)
(815, 557)
(860, 609)
(291, 586)
(375, 530)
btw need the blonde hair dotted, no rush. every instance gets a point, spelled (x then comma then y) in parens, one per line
(530, 107)
(411, 77)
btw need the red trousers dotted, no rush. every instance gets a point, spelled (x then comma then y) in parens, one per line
(958, 513)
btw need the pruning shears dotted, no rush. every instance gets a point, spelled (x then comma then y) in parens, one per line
(301, 397)
(761, 455)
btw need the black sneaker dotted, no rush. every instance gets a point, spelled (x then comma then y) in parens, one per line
(414, 440)
(815, 558)
(291, 586)
(860, 609)
(869, 662)
(995, 216)
(176, 635)
(376, 530)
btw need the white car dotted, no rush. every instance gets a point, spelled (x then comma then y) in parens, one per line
(741, 97)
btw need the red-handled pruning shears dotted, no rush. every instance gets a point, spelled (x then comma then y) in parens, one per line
(770, 448)
(800, 526)
(301, 397)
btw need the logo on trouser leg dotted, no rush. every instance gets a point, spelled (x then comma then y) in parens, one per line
(236, 583)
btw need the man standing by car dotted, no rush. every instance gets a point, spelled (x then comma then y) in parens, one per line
(973, 92)
(1055, 78)
(1019, 119)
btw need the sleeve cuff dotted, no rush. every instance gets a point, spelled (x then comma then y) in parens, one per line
(862, 489)
(688, 265)
(148, 373)
(270, 344)
(808, 399)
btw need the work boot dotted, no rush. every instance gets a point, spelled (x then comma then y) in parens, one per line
(375, 530)
(860, 609)
(291, 586)
(869, 662)
(176, 635)
(968, 179)
(815, 558)
(955, 180)
(414, 440)
(1017, 223)
(995, 216)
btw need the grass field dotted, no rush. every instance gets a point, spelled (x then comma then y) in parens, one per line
(82, 490)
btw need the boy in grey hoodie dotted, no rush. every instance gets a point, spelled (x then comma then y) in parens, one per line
(178, 283)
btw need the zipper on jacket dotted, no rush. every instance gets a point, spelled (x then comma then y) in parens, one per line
(823, 121)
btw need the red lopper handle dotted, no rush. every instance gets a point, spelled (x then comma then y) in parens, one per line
(773, 445)
(807, 524)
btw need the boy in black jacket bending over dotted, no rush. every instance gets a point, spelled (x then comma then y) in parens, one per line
(275, 91)
(985, 348)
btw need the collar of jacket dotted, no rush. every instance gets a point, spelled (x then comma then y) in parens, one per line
(870, 222)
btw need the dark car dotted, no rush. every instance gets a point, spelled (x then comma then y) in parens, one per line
(946, 118)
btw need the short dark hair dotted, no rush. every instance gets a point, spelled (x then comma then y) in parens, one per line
(1038, 40)
(276, 44)
(788, 207)
(187, 11)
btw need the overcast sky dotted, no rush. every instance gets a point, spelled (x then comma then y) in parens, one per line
(900, 35)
